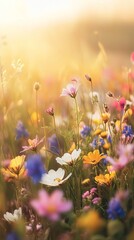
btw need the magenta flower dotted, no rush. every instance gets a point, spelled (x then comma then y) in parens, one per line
(51, 206)
(71, 89)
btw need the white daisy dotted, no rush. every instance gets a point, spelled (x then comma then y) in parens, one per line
(54, 178)
(15, 216)
(68, 159)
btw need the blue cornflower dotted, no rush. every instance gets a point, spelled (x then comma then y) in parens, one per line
(12, 236)
(35, 167)
(53, 144)
(97, 142)
(115, 209)
(127, 131)
(85, 131)
(21, 131)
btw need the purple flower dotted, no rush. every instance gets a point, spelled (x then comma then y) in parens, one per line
(35, 167)
(115, 209)
(85, 131)
(21, 131)
(53, 144)
(12, 236)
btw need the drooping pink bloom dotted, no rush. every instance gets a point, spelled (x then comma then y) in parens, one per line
(85, 194)
(96, 200)
(51, 206)
(71, 89)
(125, 156)
(50, 111)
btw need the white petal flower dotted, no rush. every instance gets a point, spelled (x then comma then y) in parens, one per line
(15, 216)
(68, 159)
(54, 178)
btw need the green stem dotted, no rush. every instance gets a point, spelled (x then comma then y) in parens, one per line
(77, 121)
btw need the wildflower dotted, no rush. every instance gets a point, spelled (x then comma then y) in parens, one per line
(85, 194)
(21, 131)
(115, 210)
(85, 131)
(73, 146)
(13, 217)
(35, 117)
(128, 114)
(127, 131)
(54, 178)
(35, 167)
(105, 179)
(17, 65)
(96, 200)
(90, 221)
(70, 90)
(97, 131)
(53, 144)
(51, 206)
(125, 156)
(36, 86)
(50, 111)
(93, 157)
(103, 134)
(33, 143)
(69, 159)
(88, 77)
(105, 117)
(15, 169)
(122, 102)
(93, 190)
(13, 236)
(94, 96)
(86, 181)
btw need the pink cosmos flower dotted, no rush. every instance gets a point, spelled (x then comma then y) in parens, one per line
(33, 143)
(71, 89)
(51, 206)
(122, 102)
(125, 156)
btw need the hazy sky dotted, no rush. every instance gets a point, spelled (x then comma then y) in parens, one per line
(36, 11)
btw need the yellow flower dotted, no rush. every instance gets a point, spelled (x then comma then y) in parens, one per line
(103, 134)
(128, 114)
(97, 131)
(15, 169)
(73, 146)
(106, 145)
(105, 117)
(85, 181)
(90, 221)
(93, 157)
(34, 117)
(105, 179)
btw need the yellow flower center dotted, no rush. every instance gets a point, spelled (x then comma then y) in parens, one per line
(57, 179)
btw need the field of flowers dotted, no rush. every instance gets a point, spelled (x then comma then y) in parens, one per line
(67, 168)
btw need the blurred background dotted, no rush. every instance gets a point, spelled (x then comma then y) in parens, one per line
(59, 39)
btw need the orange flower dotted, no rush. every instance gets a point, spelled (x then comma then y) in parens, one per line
(90, 221)
(15, 169)
(93, 157)
(105, 179)
(105, 117)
